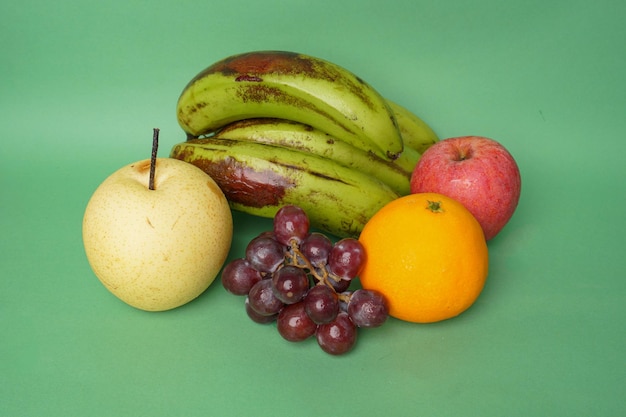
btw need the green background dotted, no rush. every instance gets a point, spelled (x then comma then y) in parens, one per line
(82, 84)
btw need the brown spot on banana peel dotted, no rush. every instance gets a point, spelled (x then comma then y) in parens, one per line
(252, 78)
(244, 185)
(259, 63)
(239, 182)
(265, 62)
(253, 66)
(187, 156)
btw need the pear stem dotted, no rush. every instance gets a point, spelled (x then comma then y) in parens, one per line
(155, 147)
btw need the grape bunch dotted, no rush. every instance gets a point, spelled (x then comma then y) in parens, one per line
(301, 281)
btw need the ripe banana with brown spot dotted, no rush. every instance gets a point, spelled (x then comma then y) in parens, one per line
(300, 137)
(259, 179)
(290, 86)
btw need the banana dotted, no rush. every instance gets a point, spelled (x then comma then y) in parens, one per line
(304, 138)
(290, 86)
(415, 132)
(258, 179)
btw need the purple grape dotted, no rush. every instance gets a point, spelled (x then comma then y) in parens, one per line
(290, 284)
(262, 299)
(338, 336)
(316, 248)
(368, 308)
(267, 233)
(256, 317)
(321, 304)
(291, 224)
(346, 258)
(301, 281)
(265, 254)
(238, 276)
(294, 324)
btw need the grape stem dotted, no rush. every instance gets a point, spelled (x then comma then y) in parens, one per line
(297, 259)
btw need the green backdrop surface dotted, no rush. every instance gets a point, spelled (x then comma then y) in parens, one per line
(82, 84)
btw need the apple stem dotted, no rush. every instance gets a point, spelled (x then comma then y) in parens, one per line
(155, 146)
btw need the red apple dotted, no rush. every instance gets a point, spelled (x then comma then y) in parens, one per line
(476, 171)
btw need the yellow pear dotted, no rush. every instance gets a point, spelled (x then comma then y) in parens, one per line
(157, 249)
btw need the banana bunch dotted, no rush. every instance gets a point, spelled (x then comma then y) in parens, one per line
(275, 128)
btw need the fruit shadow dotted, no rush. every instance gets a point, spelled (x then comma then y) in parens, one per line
(245, 228)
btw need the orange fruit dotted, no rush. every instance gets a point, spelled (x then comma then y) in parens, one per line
(427, 254)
